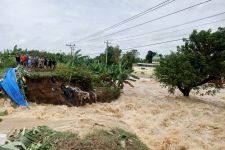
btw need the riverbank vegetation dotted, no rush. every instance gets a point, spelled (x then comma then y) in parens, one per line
(43, 137)
(198, 64)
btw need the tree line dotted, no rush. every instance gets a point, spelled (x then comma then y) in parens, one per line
(197, 64)
(115, 56)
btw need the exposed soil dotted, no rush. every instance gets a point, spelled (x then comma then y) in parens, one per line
(160, 120)
(49, 91)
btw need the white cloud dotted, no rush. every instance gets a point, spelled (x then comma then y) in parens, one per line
(50, 24)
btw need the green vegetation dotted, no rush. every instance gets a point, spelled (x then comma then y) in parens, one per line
(91, 75)
(3, 113)
(130, 57)
(113, 57)
(44, 138)
(113, 76)
(199, 61)
(2, 72)
(149, 56)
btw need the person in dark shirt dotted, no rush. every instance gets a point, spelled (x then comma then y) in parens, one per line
(45, 63)
(36, 61)
(50, 63)
(17, 60)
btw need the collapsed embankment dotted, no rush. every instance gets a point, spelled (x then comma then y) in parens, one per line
(74, 92)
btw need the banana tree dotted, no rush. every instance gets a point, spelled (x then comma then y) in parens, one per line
(122, 76)
(77, 59)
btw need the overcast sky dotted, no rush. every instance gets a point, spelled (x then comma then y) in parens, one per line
(51, 24)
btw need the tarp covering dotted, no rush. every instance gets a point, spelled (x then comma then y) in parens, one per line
(10, 86)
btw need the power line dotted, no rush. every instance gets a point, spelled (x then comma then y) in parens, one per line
(154, 44)
(167, 28)
(158, 37)
(176, 30)
(91, 54)
(138, 15)
(160, 5)
(141, 24)
(167, 32)
(151, 44)
(182, 24)
(164, 42)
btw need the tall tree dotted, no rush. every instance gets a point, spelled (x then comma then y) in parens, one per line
(149, 56)
(160, 56)
(200, 60)
(130, 57)
(114, 54)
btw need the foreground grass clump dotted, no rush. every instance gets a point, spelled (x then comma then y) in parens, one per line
(44, 138)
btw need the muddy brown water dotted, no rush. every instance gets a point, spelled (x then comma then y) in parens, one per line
(161, 121)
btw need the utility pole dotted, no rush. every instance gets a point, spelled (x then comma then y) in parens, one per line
(106, 51)
(72, 48)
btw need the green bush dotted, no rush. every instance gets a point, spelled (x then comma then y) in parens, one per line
(112, 92)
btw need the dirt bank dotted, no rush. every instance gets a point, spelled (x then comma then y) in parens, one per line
(48, 90)
(162, 121)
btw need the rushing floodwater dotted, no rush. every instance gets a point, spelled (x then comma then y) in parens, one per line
(162, 121)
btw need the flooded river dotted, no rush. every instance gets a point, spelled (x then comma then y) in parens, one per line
(161, 121)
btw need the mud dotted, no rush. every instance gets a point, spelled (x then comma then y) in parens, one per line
(161, 121)
(49, 91)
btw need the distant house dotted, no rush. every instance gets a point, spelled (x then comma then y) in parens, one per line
(156, 58)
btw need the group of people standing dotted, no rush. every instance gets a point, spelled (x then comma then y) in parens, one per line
(36, 62)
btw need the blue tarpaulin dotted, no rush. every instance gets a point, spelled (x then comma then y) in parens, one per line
(10, 86)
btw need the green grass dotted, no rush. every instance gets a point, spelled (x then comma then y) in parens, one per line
(111, 140)
(80, 76)
(103, 140)
(44, 138)
(61, 71)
